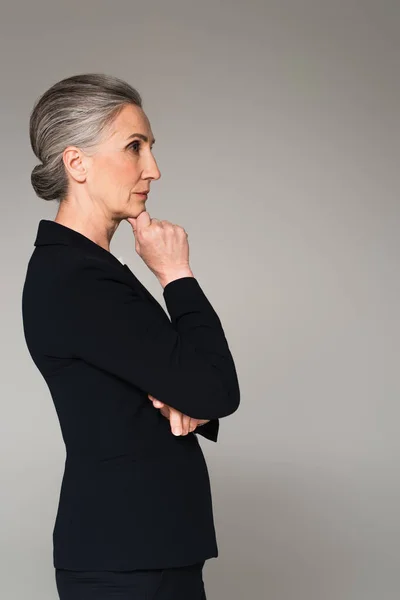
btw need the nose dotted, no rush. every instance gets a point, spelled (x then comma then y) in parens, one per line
(151, 170)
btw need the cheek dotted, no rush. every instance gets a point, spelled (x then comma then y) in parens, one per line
(104, 173)
(114, 174)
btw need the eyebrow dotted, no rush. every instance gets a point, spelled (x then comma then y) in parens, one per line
(141, 136)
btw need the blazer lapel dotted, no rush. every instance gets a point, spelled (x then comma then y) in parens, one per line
(142, 289)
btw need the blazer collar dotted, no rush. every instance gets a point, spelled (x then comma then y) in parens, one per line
(51, 233)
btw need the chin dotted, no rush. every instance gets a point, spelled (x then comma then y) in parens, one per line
(134, 213)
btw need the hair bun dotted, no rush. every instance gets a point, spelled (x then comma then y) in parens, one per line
(38, 169)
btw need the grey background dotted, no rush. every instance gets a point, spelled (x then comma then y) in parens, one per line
(277, 127)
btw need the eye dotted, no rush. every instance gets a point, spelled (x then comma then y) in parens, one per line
(135, 146)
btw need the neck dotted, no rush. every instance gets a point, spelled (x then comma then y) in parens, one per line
(94, 225)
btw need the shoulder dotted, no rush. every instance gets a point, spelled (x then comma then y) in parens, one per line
(57, 272)
(68, 261)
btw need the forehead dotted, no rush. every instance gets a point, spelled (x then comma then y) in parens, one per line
(131, 119)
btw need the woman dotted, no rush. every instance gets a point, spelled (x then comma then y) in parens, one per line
(135, 517)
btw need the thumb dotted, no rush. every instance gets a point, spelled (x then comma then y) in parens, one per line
(175, 420)
(143, 220)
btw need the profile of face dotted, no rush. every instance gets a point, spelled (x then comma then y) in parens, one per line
(117, 174)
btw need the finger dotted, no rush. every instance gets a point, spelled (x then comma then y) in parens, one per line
(132, 222)
(192, 425)
(165, 412)
(185, 424)
(175, 420)
(158, 403)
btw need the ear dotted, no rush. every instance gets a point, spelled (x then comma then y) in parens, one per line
(75, 162)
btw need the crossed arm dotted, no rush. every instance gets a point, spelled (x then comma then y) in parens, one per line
(185, 361)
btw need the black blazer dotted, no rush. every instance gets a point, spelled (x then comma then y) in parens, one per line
(133, 495)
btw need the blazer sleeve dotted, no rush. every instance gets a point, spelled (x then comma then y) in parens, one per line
(184, 362)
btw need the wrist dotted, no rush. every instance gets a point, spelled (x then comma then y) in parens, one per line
(167, 278)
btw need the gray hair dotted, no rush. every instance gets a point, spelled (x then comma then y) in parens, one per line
(74, 111)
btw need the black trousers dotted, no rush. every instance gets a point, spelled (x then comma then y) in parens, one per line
(179, 583)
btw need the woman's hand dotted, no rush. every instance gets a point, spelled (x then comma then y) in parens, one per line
(180, 424)
(163, 246)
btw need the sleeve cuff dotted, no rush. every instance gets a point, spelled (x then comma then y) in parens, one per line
(209, 430)
(185, 296)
